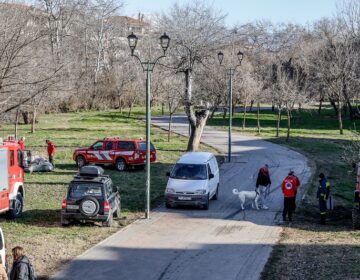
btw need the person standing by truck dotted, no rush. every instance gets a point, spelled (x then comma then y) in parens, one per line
(323, 195)
(21, 143)
(50, 151)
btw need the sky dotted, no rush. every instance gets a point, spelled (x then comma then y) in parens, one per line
(243, 11)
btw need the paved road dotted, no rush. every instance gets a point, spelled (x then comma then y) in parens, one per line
(221, 243)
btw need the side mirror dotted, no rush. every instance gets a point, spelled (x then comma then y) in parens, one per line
(211, 176)
(115, 188)
(167, 174)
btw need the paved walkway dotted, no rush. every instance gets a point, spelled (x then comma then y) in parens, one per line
(221, 243)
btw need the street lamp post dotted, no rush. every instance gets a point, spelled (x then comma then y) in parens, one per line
(230, 72)
(148, 67)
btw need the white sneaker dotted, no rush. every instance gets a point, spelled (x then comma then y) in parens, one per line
(264, 207)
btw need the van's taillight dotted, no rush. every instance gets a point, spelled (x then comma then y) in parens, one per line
(106, 206)
(64, 204)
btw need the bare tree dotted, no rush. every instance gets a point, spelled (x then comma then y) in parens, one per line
(196, 30)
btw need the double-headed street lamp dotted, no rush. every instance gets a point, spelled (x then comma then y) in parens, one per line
(230, 72)
(148, 67)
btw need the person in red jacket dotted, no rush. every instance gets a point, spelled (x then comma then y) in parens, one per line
(50, 151)
(289, 188)
(21, 143)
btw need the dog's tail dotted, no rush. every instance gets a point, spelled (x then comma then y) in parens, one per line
(235, 191)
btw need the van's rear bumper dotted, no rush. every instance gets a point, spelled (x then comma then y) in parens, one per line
(185, 199)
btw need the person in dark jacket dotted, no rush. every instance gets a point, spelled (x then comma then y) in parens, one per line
(263, 183)
(21, 266)
(323, 195)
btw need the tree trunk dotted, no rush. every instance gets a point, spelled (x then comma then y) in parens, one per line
(169, 130)
(278, 122)
(26, 117)
(197, 130)
(224, 113)
(258, 118)
(130, 108)
(213, 112)
(197, 120)
(273, 107)
(288, 125)
(33, 120)
(251, 105)
(162, 108)
(332, 102)
(244, 117)
(320, 106)
(340, 118)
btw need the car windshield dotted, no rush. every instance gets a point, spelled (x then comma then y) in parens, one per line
(189, 171)
(78, 190)
(142, 146)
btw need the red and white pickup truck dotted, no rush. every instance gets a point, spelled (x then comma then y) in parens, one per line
(122, 153)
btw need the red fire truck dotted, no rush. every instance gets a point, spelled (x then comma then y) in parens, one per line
(11, 178)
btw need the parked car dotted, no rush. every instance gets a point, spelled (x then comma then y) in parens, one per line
(3, 250)
(194, 180)
(122, 153)
(91, 197)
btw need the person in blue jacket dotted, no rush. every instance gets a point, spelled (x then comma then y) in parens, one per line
(323, 194)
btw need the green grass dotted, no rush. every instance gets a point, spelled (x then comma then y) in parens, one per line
(39, 230)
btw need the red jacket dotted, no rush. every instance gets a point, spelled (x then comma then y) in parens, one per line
(290, 185)
(21, 144)
(51, 148)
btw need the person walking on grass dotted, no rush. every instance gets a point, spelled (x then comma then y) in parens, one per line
(323, 193)
(263, 182)
(289, 188)
(21, 268)
(50, 151)
(3, 275)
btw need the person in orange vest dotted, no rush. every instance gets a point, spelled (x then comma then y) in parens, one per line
(21, 143)
(50, 151)
(289, 188)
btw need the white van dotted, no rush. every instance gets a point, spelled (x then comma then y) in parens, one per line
(194, 180)
(3, 249)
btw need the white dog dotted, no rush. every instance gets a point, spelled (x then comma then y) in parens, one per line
(247, 195)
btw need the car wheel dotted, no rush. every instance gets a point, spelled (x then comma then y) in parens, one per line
(216, 195)
(109, 221)
(80, 161)
(120, 164)
(206, 205)
(89, 206)
(18, 207)
(167, 205)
